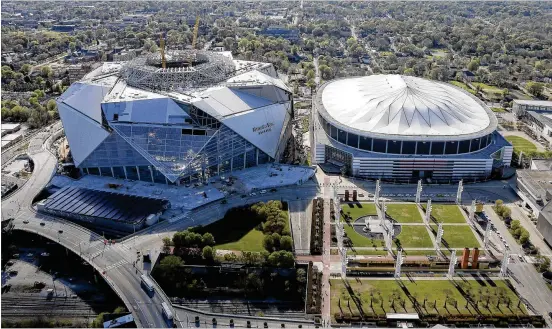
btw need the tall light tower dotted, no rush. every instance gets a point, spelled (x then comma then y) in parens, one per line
(439, 236)
(382, 214)
(419, 191)
(459, 193)
(505, 261)
(452, 264)
(398, 262)
(472, 211)
(377, 192)
(428, 212)
(389, 241)
(487, 236)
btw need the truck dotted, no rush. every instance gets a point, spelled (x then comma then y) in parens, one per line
(146, 257)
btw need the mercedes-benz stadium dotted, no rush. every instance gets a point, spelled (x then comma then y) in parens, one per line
(403, 128)
(198, 115)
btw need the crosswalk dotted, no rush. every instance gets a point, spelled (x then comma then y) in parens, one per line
(118, 264)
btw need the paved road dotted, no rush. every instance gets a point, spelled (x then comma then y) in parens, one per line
(525, 277)
(300, 218)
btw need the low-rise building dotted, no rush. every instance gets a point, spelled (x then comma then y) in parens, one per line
(277, 32)
(521, 106)
(534, 187)
(544, 223)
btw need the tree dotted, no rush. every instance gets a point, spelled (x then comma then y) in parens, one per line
(167, 244)
(208, 253)
(535, 88)
(208, 239)
(543, 264)
(268, 242)
(524, 238)
(120, 310)
(473, 65)
(51, 105)
(514, 225)
(47, 72)
(25, 69)
(506, 212)
(286, 243)
(301, 275)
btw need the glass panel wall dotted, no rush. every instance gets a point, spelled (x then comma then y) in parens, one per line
(422, 147)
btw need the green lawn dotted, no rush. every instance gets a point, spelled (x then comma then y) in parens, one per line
(458, 236)
(487, 88)
(381, 293)
(463, 86)
(238, 232)
(447, 213)
(359, 240)
(521, 144)
(404, 213)
(414, 237)
(498, 109)
(356, 210)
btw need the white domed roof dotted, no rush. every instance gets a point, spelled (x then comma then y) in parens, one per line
(404, 105)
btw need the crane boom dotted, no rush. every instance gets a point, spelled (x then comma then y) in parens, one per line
(196, 28)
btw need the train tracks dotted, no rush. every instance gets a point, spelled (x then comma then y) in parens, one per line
(37, 305)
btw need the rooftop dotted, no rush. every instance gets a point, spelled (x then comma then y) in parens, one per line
(532, 102)
(404, 106)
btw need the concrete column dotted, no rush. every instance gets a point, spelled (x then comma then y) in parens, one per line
(112, 172)
(100, 170)
(87, 171)
(244, 158)
(124, 169)
(257, 156)
(138, 172)
(151, 173)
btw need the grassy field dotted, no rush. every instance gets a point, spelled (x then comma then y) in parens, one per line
(487, 88)
(357, 210)
(498, 109)
(359, 240)
(238, 233)
(458, 236)
(404, 213)
(463, 86)
(447, 213)
(521, 144)
(382, 293)
(414, 237)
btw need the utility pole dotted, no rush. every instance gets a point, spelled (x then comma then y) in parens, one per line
(439, 237)
(428, 212)
(398, 264)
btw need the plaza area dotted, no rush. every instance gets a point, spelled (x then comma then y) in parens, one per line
(441, 296)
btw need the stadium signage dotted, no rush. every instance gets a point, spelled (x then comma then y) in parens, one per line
(264, 128)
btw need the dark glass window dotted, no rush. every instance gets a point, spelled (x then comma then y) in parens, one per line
(352, 140)
(464, 146)
(408, 147)
(489, 139)
(200, 132)
(187, 131)
(437, 147)
(475, 144)
(394, 147)
(451, 148)
(342, 137)
(365, 143)
(334, 132)
(94, 171)
(380, 145)
(422, 148)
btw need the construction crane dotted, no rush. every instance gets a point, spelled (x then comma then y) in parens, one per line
(162, 50)
(196, 28)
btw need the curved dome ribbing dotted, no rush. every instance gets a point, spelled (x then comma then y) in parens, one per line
(404, 105)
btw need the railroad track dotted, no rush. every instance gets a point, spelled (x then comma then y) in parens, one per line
(289, 310)
(21, 305)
